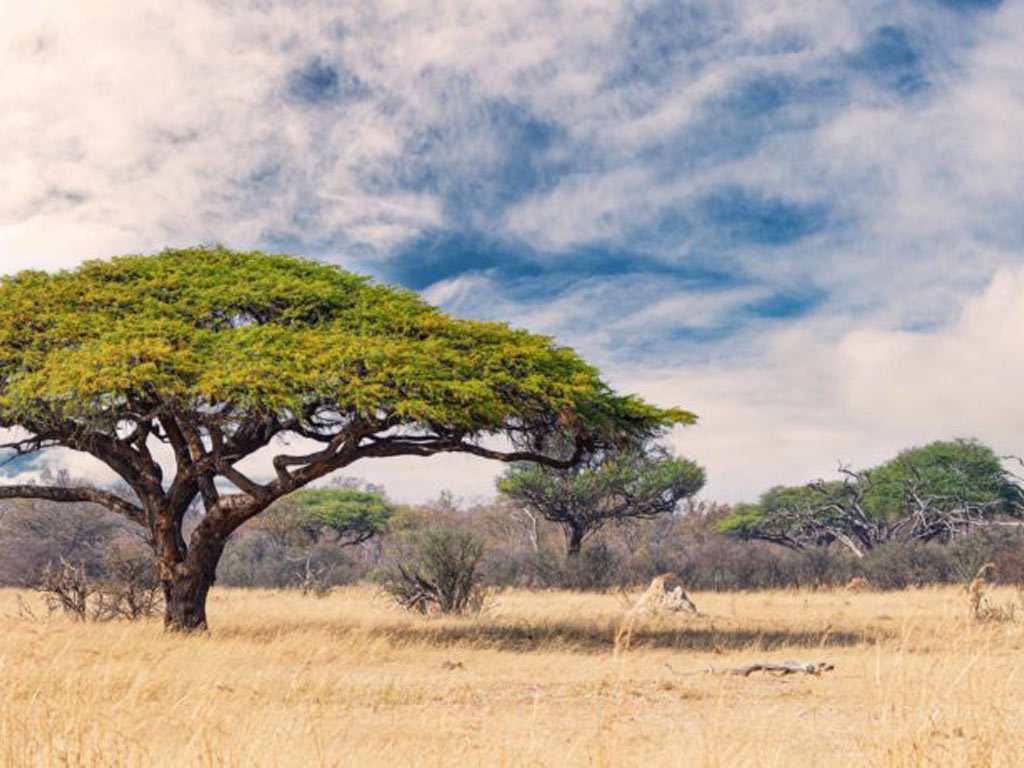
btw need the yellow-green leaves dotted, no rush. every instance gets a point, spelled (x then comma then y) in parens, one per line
(205, 327)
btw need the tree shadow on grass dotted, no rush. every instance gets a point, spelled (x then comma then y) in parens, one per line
(590, 638)
(481, 633)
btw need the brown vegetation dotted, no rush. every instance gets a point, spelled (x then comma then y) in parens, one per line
(353, 680)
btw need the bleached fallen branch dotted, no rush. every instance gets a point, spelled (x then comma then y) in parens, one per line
(781, 668)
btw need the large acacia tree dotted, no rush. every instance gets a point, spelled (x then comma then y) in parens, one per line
(173, 369)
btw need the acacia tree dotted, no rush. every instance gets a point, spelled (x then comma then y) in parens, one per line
(933, 492)
(216, 355)
(640, 481)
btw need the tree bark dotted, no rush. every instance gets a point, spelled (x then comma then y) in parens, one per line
(185, 603)
(187, 585)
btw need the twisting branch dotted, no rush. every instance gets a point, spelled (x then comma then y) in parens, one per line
(425, 446)
(69, 495)
(781, 669)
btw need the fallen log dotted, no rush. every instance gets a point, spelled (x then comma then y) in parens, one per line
(780, 668)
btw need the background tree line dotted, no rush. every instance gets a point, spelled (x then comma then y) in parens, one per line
(933, 514)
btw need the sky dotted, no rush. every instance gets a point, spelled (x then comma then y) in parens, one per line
(802, 220)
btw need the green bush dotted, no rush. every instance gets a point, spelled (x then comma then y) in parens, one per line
(435, 567)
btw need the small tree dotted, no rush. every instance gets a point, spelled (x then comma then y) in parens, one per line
(322, 519)
(345, 516)
(609, 485)
(931, 493)
(217, 354)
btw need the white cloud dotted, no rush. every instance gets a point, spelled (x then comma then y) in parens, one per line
(127, 127)
(131, 127)
(810, 400)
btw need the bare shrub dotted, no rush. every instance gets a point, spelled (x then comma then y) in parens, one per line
(129, 590)
(66, 588)
(314, 580)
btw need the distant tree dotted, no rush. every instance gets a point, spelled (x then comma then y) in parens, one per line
(609, 485)
(308, 528)
(930, 493)
(345, 516)
(217, 354)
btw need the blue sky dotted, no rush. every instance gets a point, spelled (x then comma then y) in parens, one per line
(802, 220)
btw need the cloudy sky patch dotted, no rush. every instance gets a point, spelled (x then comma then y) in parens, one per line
(801, 220)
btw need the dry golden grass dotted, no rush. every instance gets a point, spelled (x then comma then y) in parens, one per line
(347, 680)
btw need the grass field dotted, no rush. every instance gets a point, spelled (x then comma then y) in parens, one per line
(284, 680)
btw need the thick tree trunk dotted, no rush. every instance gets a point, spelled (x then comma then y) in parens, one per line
(187, 585)
(574, 541)
(185, 602)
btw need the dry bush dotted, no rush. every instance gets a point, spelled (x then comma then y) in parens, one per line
(129, 590)
(66, 588)
(314, 580)
(437, 568)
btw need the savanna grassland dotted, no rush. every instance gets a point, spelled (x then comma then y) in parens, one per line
(348, 679)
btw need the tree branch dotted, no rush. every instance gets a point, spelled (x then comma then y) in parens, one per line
(70, 495)
(414, 447)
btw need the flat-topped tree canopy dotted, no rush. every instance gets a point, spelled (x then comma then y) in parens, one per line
(933, 492)
(216, 352)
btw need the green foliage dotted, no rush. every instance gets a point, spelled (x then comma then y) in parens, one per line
(786, 509)
(744, 518)
(346, 515)
(925, 493)
(950, 474)
(236, 334)
(602, 479)
(343, 511)
(437, 566)
(638, 482)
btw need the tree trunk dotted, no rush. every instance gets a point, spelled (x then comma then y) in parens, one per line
(574, 541)
(185, 603)
(186, 586)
